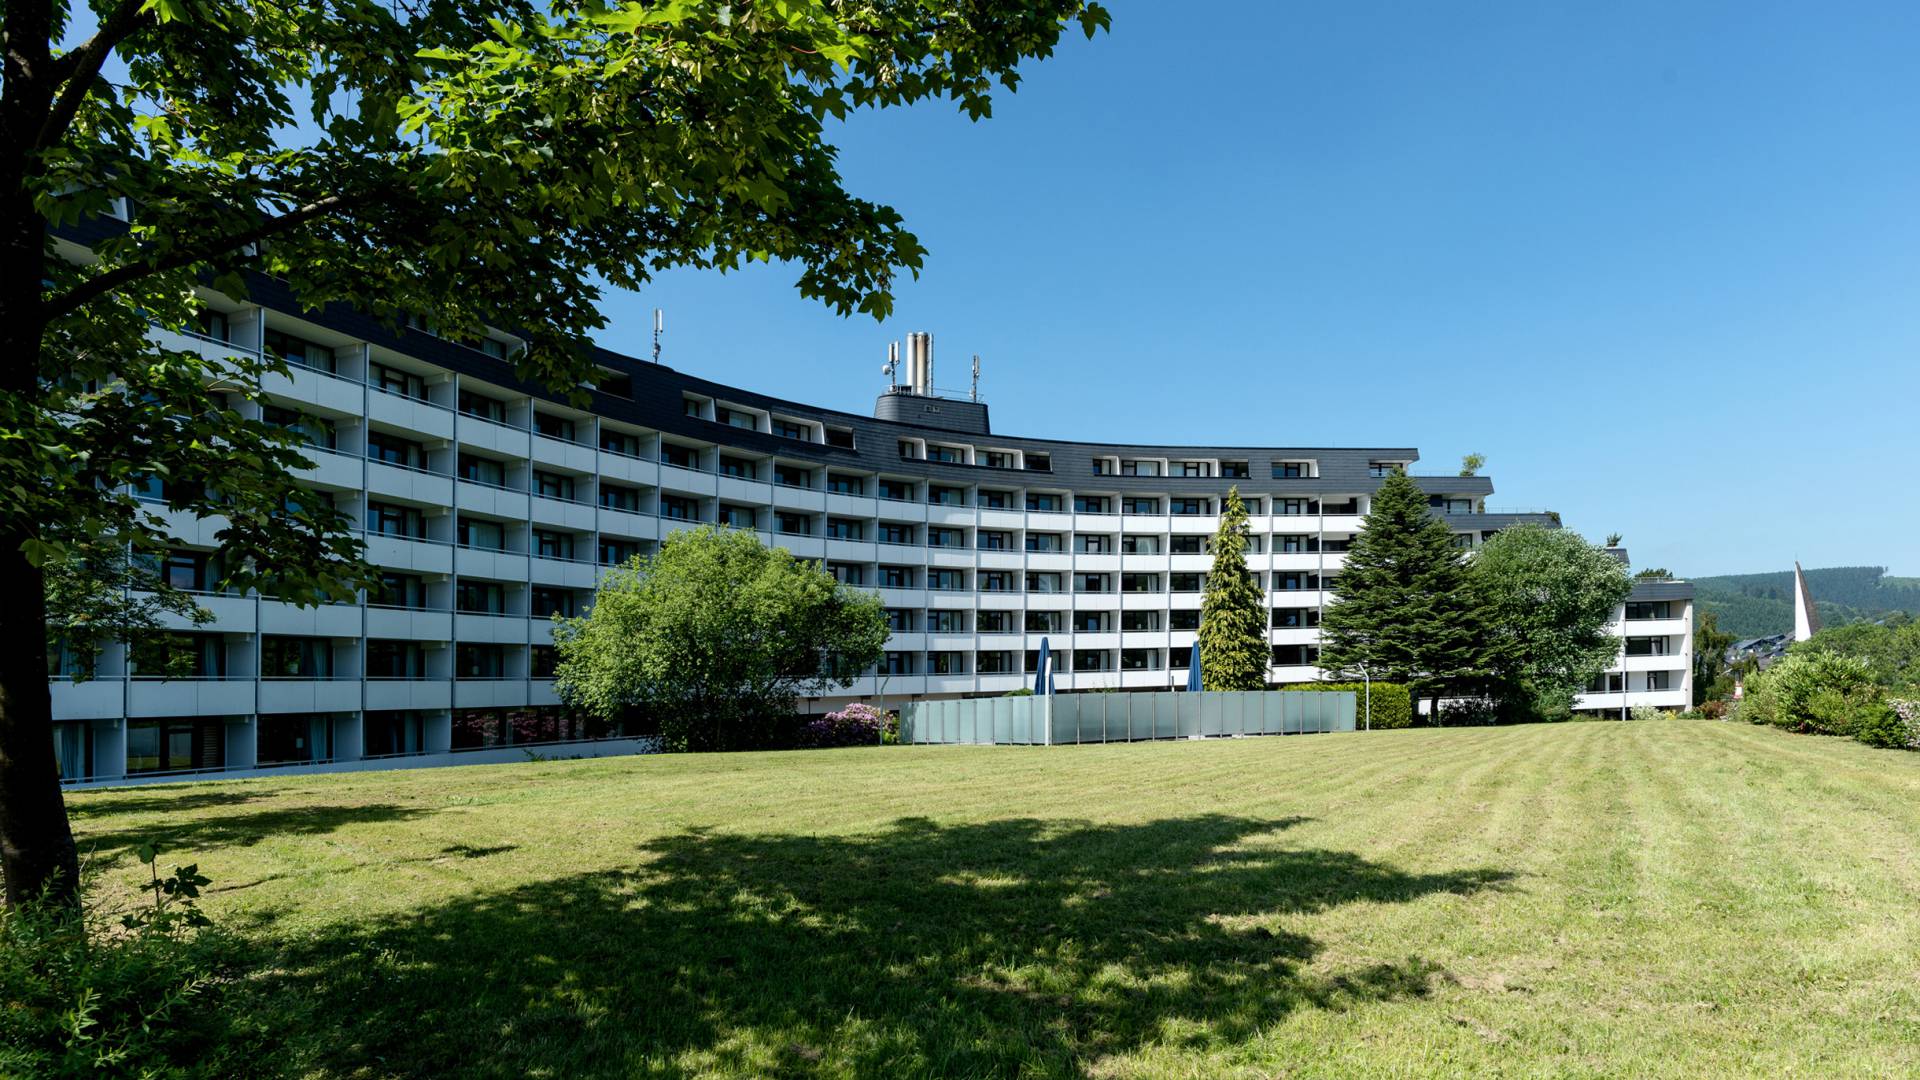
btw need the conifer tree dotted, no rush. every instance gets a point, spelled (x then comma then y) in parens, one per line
(1403, 607)
(1233, 617)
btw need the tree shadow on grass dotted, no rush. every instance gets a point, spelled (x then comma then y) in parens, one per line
(185, 836)
(980, 949)
(110, 803)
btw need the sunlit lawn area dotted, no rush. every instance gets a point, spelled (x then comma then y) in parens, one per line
(1678, 898)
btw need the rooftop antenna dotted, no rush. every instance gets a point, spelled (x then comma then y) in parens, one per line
(892, 365)
(976, 376)
(659, 324)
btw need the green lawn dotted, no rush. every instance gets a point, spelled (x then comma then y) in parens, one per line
(1669, 898)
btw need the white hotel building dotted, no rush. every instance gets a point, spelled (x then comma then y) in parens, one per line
(489, 505)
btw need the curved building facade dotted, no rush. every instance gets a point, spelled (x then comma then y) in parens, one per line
(489, 505)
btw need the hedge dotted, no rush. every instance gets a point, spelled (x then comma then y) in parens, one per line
(1392, 702)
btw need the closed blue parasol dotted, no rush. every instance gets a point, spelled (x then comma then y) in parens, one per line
(1043, 678)
(1193, 668)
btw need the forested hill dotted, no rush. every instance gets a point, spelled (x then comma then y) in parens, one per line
(1753, 605)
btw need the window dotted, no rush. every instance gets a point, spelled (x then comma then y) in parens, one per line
(1089, 660)
(947, 580)
(295, 350)
(1611, 682)
(734, 418)
(792, 475)
(1179, 658)
(1043, 502)
(316, 431)
(1041, 541)
(212, 323)
(1295, 655)
(1190, 507)
(1140, 507)
(1101, 467)
(848, 573)
(846, 529)
(480, 470)
(1139, 468)
(737, 467)
(1139, 659)
(389, 520)
(1646, 646)
(899, 620)
(1658, 680)
(1382, 469)
(1295, 507)
(897, 490)
(1093, 545)
(1193, 468)
(1139, 545)
(946, 622)
(613, 552)
(1295, 543)
(1043, 581)
(951, 455)
(1235, 470)
(993, 500)
(396, 660)
(550, 602)
(937, 537)
(995, 580)
(997, 459)
(1649, 609)
(680, 457)
(896, 577)
(899, 663)
(1292, 470)
(693, 407)
(842, 484)
(474, 533)
(619, 442)
(1295, 618)
(1094, 583)
(891, 533)
(395, 450)
(392, 380)
(543, 661)
(400, 590)
(1044, 622)
(481, 597)
(553, 427)
(1190, 544)
(480, 661)
(186, 570)
(793, 524)
(1092, 504)
(1134, 622)
(1089, 622)
(482, 406)
(840, 437)
(909, 449)
(1294, 580)
(941, 495)
(736, 517)
(1039, 462)
(1186, 582)
(553, 486)
(1140, 583)
(174, 745)
(552, 545)
(788, 429)
(679, 508)
(993, 663)
(996, 622)
(295, 657)
(993, 540)
(615, 497)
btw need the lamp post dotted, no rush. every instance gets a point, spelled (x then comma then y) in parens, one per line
(1366, 681)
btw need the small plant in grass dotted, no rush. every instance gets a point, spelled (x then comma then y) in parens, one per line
(1645, 712)
(85, 995)
(856, 725)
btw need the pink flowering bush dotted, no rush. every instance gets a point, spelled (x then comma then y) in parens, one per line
(855, 725)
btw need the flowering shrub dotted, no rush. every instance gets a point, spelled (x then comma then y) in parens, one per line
(855, 725)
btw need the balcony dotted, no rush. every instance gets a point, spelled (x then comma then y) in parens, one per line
(410, 484)
(494, 500)
(324, 620)
(503, 439)
(473, 626)
(284, 695)
(409, 553)
(489, 693)
(571, 456)
(387, 693)
(190, 697)
(420, 419)
(411, 624)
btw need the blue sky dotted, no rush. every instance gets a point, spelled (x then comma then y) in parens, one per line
(1630, 252)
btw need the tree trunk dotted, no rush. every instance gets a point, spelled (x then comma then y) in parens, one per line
(36, 844)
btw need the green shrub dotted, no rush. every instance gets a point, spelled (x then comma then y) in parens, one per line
(1820, 692)
(1893, 724)
(1644, 712)
(85, 996)
(1392, 702)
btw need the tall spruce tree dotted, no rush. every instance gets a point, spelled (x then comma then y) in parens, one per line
(1233, 617)
(1403, 607)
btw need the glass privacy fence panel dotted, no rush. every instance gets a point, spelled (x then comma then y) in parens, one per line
(1126, 717)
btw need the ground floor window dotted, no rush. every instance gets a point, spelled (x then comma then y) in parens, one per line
(295, 739)
(73, 750)
(175, 745)
(397, 731)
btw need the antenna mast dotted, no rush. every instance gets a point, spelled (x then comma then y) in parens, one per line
(976, 376)
(659, 324)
